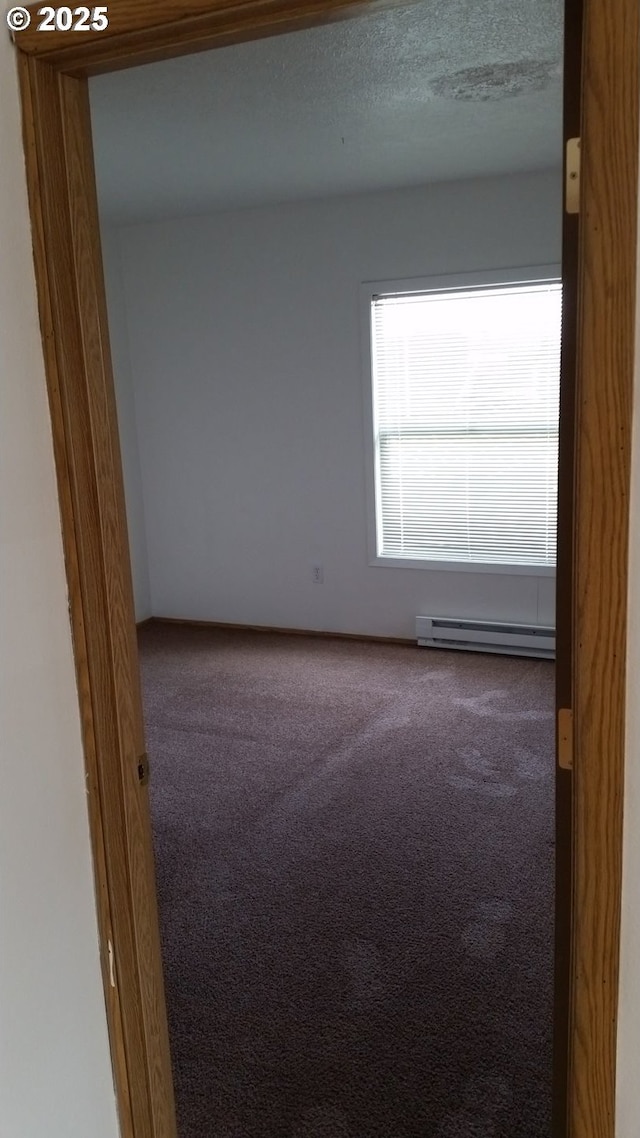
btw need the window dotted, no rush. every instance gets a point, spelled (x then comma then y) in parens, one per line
(465, 422)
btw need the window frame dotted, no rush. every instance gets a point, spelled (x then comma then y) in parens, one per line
(491, 278)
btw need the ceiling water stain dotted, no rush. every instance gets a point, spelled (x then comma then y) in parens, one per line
(495, 80)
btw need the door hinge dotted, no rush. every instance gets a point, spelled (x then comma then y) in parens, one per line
(572, 178)
(143, 769)
(565, 738)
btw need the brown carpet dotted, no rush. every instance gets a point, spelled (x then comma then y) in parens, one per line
(354, 849)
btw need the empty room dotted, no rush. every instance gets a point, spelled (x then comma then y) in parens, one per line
(332, 261)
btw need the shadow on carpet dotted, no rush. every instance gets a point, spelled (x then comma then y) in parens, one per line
(354, 856)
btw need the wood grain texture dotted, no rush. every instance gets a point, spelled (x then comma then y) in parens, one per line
(606, 343)
(119, 593)
(565, 575)
(32, 134)
(71, 297)
(141, 31)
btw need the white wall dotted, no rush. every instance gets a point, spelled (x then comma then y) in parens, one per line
(128, 430)
(55, 1070)
(244, 332)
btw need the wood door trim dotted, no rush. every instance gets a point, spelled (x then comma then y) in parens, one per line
(143, 31)
(572, 127)
(53, 73)
(32, 133)
(606, 351)
(86, 447)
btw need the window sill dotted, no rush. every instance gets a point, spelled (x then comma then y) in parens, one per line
(462, 567)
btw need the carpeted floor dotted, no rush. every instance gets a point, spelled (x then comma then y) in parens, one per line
(354, 848)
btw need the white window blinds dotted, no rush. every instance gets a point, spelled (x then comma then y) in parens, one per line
(465, 404)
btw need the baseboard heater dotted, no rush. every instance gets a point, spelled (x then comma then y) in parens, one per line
(486, 636)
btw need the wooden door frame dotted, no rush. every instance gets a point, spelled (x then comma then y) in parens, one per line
(53, 70)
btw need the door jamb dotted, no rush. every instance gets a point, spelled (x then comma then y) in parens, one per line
(53, 70)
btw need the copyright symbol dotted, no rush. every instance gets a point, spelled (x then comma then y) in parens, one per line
(18, 19)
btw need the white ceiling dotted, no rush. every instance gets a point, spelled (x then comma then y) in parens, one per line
(438, 90)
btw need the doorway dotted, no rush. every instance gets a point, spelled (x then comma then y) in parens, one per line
(353, 843)
(108, 629)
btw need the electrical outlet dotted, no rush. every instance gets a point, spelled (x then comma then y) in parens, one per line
(317, 574)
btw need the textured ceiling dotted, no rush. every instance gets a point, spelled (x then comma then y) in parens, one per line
(438, 90)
